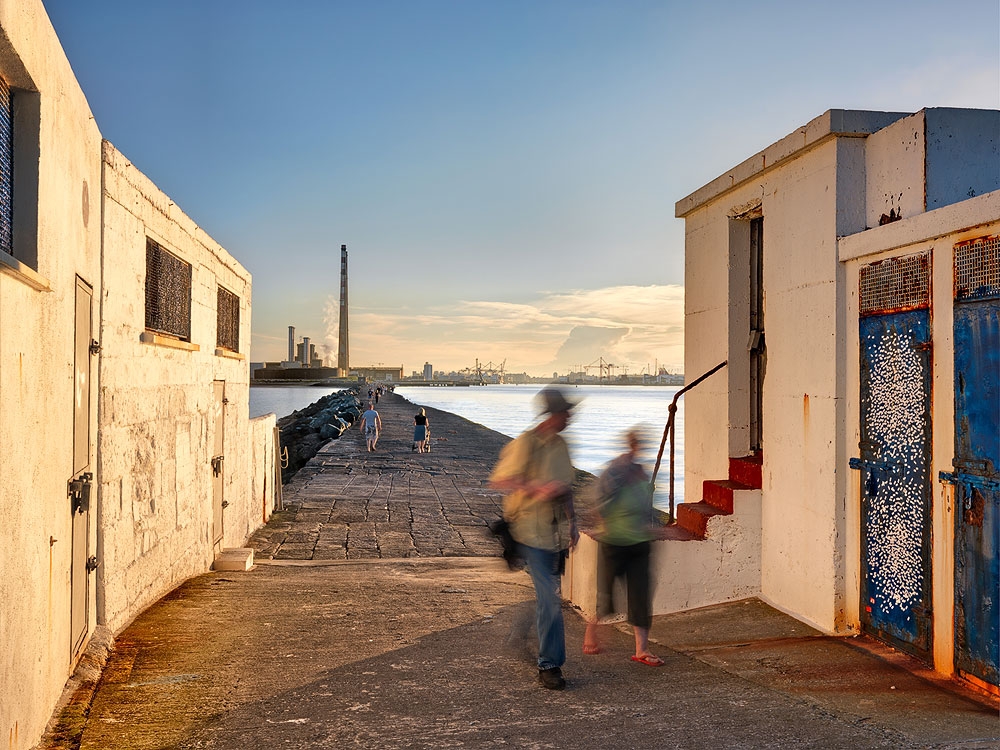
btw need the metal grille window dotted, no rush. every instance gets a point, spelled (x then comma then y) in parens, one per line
(228, 315)
(168, 293)
(895, 284)
(6, 169)
(977, 268)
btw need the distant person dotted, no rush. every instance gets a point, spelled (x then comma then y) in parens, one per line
(536, 472)
(371, 425)
(625, 507)
(421, 431)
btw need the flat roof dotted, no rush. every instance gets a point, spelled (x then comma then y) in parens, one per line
(847, 123)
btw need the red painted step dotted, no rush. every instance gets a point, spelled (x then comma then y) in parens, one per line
(748, 470)
(694, 517)
(719, 492)
(745, 473)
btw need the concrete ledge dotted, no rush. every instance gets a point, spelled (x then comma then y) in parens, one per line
(235, 558)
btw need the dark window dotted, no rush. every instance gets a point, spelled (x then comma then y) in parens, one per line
(228, 329)
(168, 293)
(6, 169)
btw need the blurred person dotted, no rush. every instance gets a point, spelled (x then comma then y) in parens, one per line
(536, 472)
(624, 532)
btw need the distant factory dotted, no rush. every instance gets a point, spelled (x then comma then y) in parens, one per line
(303, 364)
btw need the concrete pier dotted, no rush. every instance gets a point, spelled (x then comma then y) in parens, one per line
(349, 504)
(379, 616)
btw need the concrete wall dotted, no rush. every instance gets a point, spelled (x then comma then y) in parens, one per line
(57, 239)
(801, 566)
(157, 425)
(82, 214)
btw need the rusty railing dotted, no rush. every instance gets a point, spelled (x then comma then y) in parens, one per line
(668, 431)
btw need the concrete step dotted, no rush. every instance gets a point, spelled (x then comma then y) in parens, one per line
(747, 470)
(234, 558)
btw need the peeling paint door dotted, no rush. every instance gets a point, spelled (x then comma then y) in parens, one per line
(977, 466)
(81, 482)
(218, 460)
(895, 497)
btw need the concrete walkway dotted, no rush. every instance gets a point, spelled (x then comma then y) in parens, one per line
(331, 643)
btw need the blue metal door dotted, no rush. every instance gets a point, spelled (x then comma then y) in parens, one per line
(977, 461)
(895, 498)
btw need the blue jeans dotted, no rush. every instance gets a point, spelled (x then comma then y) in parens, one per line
(543, 566)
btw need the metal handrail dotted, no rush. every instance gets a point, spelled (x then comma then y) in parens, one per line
(669, 430)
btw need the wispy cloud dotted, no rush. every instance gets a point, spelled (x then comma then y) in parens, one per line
(632, 326)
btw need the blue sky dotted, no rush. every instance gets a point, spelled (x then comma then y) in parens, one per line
(503, 172)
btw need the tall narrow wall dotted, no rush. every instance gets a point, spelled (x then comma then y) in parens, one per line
(57, 240)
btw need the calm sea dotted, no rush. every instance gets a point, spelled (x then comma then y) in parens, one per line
(600, 419)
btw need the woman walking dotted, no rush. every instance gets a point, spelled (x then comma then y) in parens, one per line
(625, 506)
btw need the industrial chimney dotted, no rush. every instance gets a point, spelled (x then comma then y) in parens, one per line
(343, 365)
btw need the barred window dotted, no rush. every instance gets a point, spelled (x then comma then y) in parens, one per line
(6, 169)
(228, 315)
(168, 293)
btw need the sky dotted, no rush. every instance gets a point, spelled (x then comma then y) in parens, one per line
(503, 172)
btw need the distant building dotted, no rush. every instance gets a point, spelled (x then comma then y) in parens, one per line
(428, 371)
(379, 373)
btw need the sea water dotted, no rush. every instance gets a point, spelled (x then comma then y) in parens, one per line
(595, 434)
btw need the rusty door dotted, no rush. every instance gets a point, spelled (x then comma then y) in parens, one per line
(977, 460)
(895, 451)
(80, 483)
(218, 459)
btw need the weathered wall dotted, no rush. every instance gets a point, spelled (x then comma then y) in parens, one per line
(156, 404)
(260, 500)
(57, 238)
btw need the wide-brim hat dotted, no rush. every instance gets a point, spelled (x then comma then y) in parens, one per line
(552, 401)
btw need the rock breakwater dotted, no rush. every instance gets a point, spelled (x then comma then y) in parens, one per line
(305, 431)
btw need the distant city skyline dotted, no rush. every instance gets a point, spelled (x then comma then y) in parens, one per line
(502, 173)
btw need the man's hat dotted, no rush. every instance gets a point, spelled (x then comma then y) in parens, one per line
(552, 401)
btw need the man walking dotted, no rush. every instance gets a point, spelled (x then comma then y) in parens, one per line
(536, 472)
(371, 425)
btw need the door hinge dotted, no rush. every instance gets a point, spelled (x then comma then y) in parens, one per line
(95, 346)
(92, 564)
(217, 465)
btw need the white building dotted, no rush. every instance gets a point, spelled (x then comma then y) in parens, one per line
(129, 460)
(849, 276)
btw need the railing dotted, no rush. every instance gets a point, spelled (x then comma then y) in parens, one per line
(669, 431)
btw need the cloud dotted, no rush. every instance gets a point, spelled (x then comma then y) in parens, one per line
(578, 349)
(631, 326)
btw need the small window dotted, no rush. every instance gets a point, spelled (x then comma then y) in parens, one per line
(228, 313)
(168, 293)
(6, 169)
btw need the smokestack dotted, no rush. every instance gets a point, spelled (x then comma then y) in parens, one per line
(306, 359)
(343, 364)
(291, 343)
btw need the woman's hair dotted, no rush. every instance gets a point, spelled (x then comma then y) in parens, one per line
(423, 412)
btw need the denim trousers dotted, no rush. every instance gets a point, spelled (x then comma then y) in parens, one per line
(543, 566)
